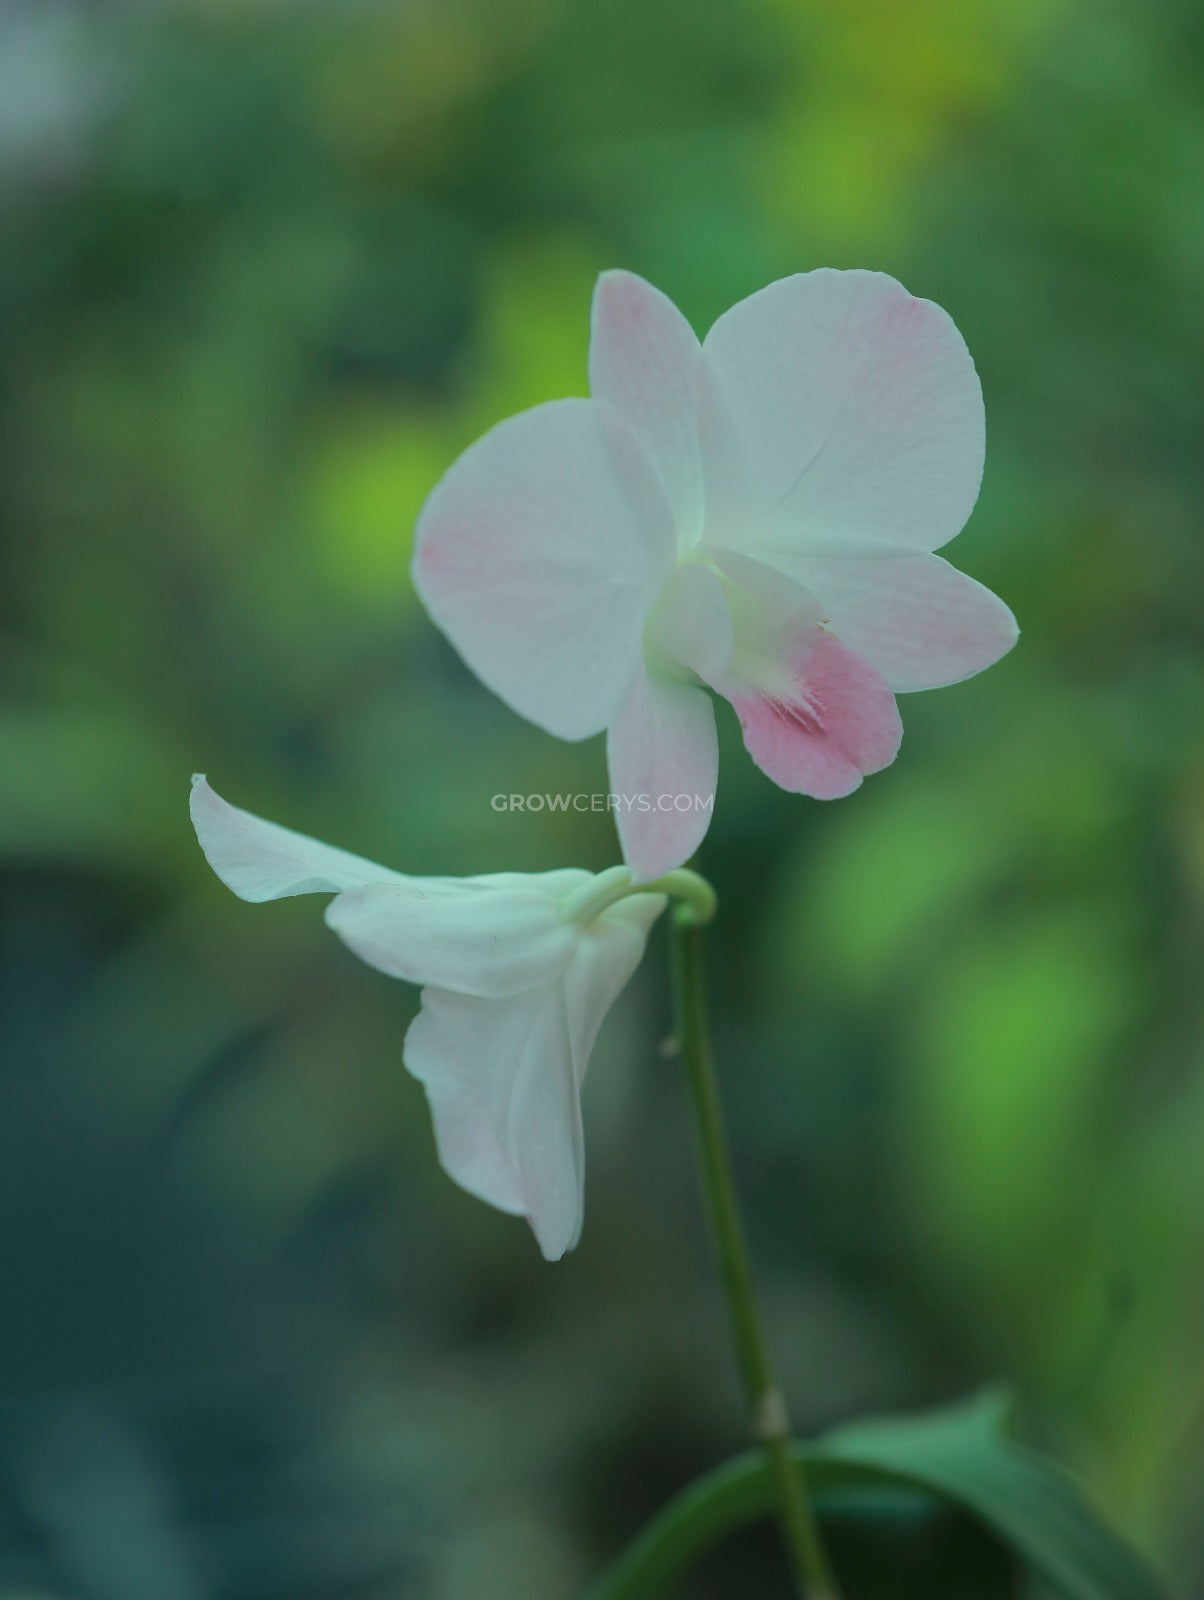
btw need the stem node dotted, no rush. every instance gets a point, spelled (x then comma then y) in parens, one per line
(771, 1420)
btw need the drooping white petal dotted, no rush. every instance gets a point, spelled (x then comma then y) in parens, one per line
(503, 1077)
(919, 621)
(464, 934)
(490, 935)
(663, 754)
(260, 860)
(605, 958)
(643, 360)
(505, 1102)
(846, 410)
(539, 553)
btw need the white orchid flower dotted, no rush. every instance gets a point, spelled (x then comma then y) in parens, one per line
(518, 969)
(755, 514)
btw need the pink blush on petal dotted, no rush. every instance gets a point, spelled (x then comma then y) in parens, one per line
(836, 723)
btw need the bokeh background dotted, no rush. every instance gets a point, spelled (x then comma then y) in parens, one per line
(265, 270)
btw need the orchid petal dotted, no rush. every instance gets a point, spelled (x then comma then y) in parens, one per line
(606, 957)
(830, 723)
(919, 621)
(504, 1077)
(500, 1079)
(663, 752)
(815, 716)
(845, 411)
(460, 934)
(260, 860)
(490, 935)
(539, 554)
(643, 360)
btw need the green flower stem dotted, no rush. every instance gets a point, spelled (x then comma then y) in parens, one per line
(697, 901)
(613, 885)
(809, 1564)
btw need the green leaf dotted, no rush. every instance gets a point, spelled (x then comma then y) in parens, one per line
(963, 1455)
(960, 1456)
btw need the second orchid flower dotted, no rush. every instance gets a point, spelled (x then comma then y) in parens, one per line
(518, 971)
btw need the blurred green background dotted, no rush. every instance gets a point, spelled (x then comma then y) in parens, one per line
(265, 269)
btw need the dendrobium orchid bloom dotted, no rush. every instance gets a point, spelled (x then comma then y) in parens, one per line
(519, 970)
(755, 514)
